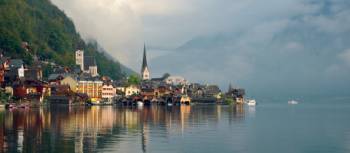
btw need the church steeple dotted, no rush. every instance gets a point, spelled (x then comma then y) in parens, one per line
(144, 62)
(144, 69)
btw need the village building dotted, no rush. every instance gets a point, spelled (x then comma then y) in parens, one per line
(71, 82)
(161, 91)
(176, 80)
(236, 93)
(34, 72)
(90, 86)
(79, 59)
(14, 72)
(17, 65)
(147, 93)
(90, 66)
(87, 63)
(108, 91)
(31, 90)
(132, 90)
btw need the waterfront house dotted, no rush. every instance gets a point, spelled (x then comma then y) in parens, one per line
(237, 94)
(120, 86)
(161, 91)
(34, 90)
(211, 91)
(64, 79)
(108, 91)
(92, 86)
(132, 90)
(60, 90)
(147, 93)
(71, 81)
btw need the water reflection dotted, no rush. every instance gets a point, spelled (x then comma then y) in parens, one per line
(89, 129)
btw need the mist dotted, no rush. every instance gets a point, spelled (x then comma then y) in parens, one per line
(267, 47)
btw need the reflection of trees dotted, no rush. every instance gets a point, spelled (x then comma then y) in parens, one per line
(87, 129)
(236, 113)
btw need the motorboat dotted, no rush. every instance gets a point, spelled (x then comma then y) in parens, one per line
(251, 102)
(293, 102)
(139, 103)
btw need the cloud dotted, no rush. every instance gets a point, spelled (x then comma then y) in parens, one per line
(277, 44)
(345, 57)
(112, 23)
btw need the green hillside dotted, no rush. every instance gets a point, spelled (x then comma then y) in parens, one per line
(50, 33)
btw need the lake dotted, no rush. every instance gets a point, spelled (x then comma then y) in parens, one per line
(270, 127)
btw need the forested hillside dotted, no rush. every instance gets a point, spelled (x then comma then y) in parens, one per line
(51, 35)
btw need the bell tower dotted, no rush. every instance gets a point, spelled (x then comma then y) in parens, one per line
(145, 73)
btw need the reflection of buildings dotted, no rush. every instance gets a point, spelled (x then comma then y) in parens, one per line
(86, 129)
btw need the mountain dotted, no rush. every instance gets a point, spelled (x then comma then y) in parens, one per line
(51, 35)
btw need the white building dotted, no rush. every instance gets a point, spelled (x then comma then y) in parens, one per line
(108, 91)
(21, 72)
(87, 63)
(79, 59)
(90, 66)
(176, 80)
(131, 90)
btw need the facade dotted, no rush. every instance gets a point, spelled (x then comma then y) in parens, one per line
(71, 82)
(108, 91)
(131, 90)
(33, 73)
(145, 73)
(31, 89)
(87, 63)
(176, 80)
(90, 66)
(93, 88)
(21, 72)
(17, 65)
(79, 59)
(93, 70)
(148, 93)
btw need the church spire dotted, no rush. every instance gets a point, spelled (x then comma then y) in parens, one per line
(144, 70)
(144, 62)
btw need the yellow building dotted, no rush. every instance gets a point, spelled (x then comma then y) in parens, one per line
(93, 88)
(71, 82)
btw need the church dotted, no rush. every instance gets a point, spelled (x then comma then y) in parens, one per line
(145, 73)
(87, 63)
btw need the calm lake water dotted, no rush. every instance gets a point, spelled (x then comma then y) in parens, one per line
(270, 127)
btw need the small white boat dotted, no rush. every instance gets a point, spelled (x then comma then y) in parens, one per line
(139, 103)
(293, 102)
(251, 102)
(170, 104)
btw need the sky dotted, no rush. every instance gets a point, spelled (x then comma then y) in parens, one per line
(267, 47)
